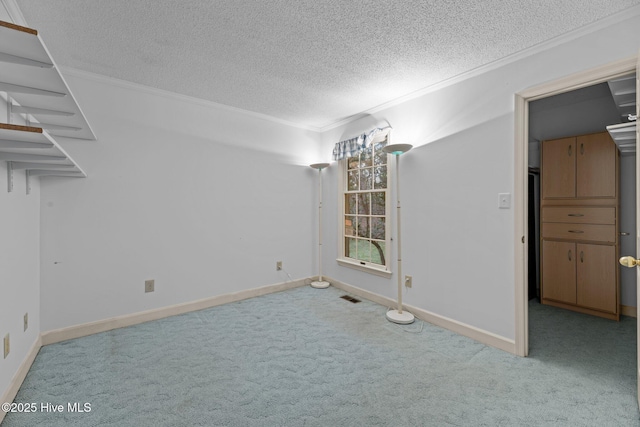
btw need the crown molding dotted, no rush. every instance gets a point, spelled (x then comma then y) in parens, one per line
(18, 18)
(100, 78)
(16, 15)
(530, 51)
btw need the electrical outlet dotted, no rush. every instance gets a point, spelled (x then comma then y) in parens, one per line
(408, 281)
(149, 286)
(26, 321)
(7, 347)
(278, 265)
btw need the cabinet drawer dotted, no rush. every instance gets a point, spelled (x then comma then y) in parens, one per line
(579, 215)
(588, 232)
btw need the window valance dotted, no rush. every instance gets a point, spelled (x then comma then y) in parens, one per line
(351, 147)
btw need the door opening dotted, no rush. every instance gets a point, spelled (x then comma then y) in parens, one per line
(523, 103)
(629, 195)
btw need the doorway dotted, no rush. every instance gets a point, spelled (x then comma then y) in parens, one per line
(523, 103)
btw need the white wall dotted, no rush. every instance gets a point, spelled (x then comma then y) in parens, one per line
(19, 267)
(202, 199)
(457, 244)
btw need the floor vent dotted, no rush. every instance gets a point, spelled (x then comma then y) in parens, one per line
(350, 299)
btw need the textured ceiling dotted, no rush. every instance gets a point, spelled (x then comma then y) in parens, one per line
(309, 62)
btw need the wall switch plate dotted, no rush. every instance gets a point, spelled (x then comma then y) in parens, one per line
(408, 281)
(7, 347)
(504, 200)
(26, 321)
(278, 265)
(149, 285)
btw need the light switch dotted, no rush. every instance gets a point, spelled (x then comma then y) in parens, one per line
(504, 200)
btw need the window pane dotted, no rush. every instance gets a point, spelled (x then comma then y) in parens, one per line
(350, 203)
(364, 203)
(377, 228)
(380, 178)
(364, 250)
(366, 179)
(350, 247)
(378, 251)
(378, 203)
(366, 156)
(352, 180)
(380, 157)
(353, 162)
(363, 226)
(350, 226)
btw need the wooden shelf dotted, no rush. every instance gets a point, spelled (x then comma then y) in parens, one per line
(32, 149)
(37, 94)
(18, 28)
(30, 77)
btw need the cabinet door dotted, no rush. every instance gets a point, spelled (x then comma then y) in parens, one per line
(559, 168)
(596, 166)
(596, 273)
(559, 271)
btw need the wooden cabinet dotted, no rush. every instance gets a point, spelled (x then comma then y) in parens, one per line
(595, 268)
(579, 167)
(559, 171)
(579, 230)
(559, 272)
(596, 166)
(580, 215)
(579, 274)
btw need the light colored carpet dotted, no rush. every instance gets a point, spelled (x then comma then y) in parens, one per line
(305, 357)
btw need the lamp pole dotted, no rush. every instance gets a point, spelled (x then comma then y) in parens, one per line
(398, 315)
(320, 284)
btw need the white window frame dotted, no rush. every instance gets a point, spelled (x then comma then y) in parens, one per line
(369, 267)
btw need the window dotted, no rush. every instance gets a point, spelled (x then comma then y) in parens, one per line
(365, 219)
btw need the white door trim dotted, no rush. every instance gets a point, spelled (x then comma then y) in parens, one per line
(637, 218)
(522, 99)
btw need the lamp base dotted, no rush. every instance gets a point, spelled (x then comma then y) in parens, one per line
(320, 284)
(403, 318)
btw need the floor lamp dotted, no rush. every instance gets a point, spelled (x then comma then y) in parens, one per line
(320, 284)
(398, 316)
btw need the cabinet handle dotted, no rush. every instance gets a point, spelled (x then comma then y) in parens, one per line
(578, 215)
(570, 150)
(569, 254)
(582, 148)
(576, 231)
(581, 256)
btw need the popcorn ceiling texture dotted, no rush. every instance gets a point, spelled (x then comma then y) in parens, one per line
(311, 62)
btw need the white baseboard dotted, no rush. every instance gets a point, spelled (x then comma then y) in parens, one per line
(21, 374)
(77, 331)
(469, 331)
(626, 310)
(91, 328)
(85, 329)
